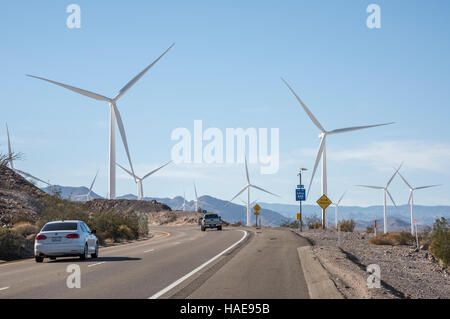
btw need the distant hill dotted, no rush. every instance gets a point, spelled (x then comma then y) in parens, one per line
(70, 192)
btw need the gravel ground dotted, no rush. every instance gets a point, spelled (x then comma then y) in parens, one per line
(405, 273)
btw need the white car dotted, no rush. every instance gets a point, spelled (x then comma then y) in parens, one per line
(65, 238)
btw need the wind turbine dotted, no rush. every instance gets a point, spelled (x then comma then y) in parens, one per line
(88, 195)
(322, 153)
(336, 205)
(247, 187)
(411, 198)
(196, 198)
(385, 191)
(139, 180)
(114, 117)
(11, 162)
(184, 201)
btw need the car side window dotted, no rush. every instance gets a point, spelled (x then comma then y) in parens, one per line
(82, 227)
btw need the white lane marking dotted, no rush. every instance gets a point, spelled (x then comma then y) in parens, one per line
(4, 288)
(176, 243)
(179, 281)
(92, 265)
(146, 251)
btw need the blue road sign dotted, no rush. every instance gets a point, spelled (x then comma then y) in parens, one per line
(300, 194)
(300, 186)
(204, 211)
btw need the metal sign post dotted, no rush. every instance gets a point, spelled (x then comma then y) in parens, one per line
(324, 202)
(300, 195)
(257, 209)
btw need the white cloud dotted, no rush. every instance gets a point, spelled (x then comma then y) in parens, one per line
(434, 157)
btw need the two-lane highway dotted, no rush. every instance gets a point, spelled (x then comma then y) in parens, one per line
(139, 270)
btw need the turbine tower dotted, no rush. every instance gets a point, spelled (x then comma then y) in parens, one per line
(247, 187)
(139, 180)
(411, 198)
(88, 195)
(385, 191)
(11, 162)
(196, 198)
(322, 153)
(114, 117)
(336, 205)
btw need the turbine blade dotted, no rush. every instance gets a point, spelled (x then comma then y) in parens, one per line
(92, 185)
(374, 187)
(422, 187)
(339, 201)
(246, 170)
(125, 169)
(155, 170)
(390, 196)
(139, 76)
(319, 155)
(308, 112)
(404, 179)
(356, 128)
(195, 191)
(9, 149)
(75, 89)
(33, 177)
(239, 193)
(392, 178)
(262, 189)
(410, 197)
(123, 135)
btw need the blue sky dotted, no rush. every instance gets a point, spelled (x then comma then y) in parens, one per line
(225, 70)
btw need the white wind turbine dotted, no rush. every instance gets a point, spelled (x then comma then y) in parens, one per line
(323, 136)
(11, 162)
(336, 205)
(411, 198)
(249, 185)
(184, 201)
(114, 117)
(139, 180)
(385, 191)
(88, 195)
(196, 198)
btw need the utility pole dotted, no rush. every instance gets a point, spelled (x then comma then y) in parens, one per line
(300, 226)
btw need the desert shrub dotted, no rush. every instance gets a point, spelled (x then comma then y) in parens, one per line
(425, 239)
(440, 240)
(401, 238)
(237, 224)
(310, 221)
(25, 229)
(170, 218)
(115, 226)
(347, 225)
(315, 225)
(293, 224)
(22, 218)
(56, 208)
(11, 244)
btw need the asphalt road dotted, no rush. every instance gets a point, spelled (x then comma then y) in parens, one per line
(178, 262)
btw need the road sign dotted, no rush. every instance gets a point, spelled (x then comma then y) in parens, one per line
(256, 213)
(300, 194)
(299, 216)
(300, 186)
(204, 211)
(256, 207)
(324, 201)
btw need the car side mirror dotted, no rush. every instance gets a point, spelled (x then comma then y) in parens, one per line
(94, 231)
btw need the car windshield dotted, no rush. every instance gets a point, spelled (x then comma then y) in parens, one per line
(211, 216)
(60, 226)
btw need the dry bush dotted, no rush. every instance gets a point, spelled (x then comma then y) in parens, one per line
(26, 229)
(315, 225)
(440, 244)
(401, 238)
(370, 230)
(347, 225)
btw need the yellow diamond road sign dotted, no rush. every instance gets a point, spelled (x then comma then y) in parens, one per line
(324, 201)
(256, 207)
(256, 213)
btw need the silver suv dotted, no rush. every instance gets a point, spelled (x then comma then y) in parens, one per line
(211, 220)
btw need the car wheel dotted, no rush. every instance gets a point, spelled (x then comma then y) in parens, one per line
(203, 228)
(85, 254)
(39, 259)
(52, 258)
(95, 255)
(219, 228)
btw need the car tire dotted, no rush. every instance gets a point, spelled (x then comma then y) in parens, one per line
(203, 228)
(52, 258)
(219, 228)
(39, 259)
(85, 254)
(95, 255)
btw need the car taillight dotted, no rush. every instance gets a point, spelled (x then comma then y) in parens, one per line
(73, 236)
(41, 237)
